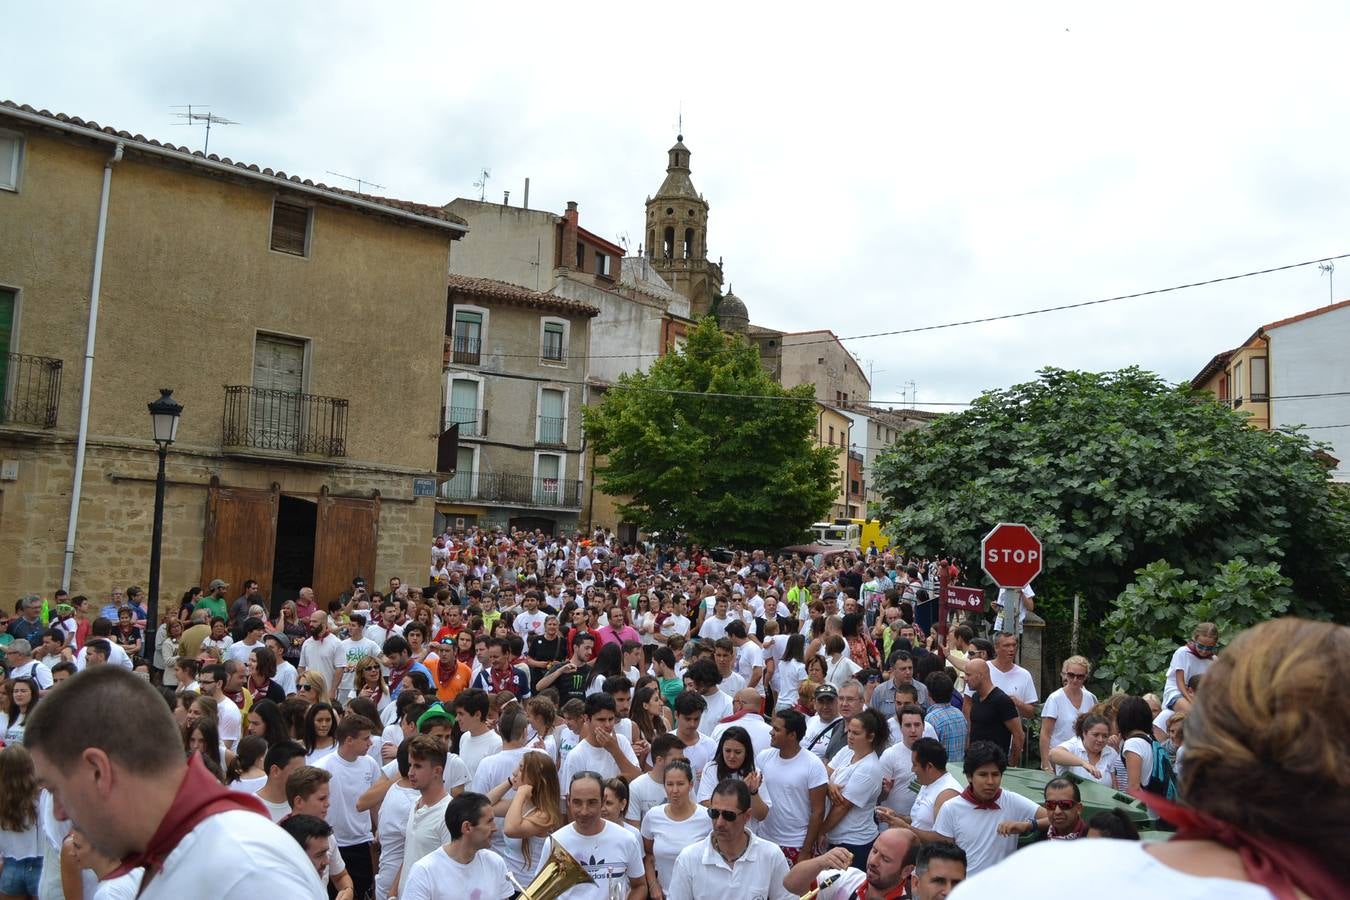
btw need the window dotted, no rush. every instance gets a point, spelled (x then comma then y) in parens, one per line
(467, 336)
(8, 305)
(548, 468)
(290, 228)
(466, 408)
(601, 263)
(552, 417)
(553, 347)
(11, 154)
(464, 484)
(668, 243)
(1260, 389)
(831, 435)
(689, 243)
(277, 407)
(1238, 395)
(581, 257)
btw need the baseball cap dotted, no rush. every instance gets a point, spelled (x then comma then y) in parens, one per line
(218, 583)
(436, 712)
(827, 690)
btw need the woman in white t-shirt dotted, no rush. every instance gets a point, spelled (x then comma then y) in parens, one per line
(1134, 721)
(789, 671)
(669, 828)
(1088, 754)
(535, 813)
(735, 759)
(1064, 706)
(245, 772)
(855, 786)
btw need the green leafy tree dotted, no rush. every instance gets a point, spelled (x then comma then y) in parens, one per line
(1162, 607)
(703, 445)
(1115, 471)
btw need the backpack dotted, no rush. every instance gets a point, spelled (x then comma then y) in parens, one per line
(1162, 777)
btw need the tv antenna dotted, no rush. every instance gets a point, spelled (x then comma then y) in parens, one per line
(481, 184)
(1329, 269)
(361, 183)
(623, 242)
(200, 112)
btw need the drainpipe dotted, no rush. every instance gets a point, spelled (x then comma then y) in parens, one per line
(92, 332)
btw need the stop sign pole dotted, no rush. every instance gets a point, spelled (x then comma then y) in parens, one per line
(1011, 555)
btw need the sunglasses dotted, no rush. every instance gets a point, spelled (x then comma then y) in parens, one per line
(1207, 648)
(1075, 676)
(301, 687)
(1065, 805)
(726, 814)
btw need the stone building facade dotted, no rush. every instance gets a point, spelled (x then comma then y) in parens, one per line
(289, 319)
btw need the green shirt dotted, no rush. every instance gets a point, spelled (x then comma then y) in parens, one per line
(214, 605)
(670, 689)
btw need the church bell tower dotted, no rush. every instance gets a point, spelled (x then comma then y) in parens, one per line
(677, 232)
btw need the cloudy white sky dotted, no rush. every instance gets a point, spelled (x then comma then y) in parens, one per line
(868, 167)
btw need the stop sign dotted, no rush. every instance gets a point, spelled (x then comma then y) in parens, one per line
(1011, 555)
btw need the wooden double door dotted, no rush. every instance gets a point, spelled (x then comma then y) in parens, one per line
(240, 538)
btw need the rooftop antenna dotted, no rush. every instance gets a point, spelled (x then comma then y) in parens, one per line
(199, 112)
(623, 241)
(481, 184)
(1329, 269)
(361, 183)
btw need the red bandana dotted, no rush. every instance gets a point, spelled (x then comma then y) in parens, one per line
(1280, 867)
(734, 716)
(199, 797)
(969, 795)
(894, 893)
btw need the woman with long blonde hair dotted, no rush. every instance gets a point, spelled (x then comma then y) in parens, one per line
(534, 814)
(311, 686)
(20, 842)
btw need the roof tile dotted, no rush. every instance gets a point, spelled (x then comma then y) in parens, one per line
(492, 289)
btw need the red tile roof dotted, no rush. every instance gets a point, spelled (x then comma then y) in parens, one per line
(420, 209)
(492, 289)
(1307, 315)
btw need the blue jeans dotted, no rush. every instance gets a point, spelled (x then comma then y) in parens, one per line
(21, 876)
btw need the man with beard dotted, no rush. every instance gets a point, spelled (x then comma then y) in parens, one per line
(888, 865)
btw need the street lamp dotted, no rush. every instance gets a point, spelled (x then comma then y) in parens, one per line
(164, 414)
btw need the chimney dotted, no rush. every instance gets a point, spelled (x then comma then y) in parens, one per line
(525, 204)
(569, 236)
(506, 198)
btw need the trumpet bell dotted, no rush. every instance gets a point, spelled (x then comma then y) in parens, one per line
(560, 873)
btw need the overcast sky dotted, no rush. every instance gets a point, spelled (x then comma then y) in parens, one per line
(866, 172)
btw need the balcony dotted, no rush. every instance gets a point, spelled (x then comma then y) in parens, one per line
(552, 431)
(31, 390)
(514, 490)
(284, 422)
(461, 350)
(472, 421)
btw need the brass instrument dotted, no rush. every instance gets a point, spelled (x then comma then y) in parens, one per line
(561, 872)
(811, 894)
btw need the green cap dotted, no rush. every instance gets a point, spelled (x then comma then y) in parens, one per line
(436, 712)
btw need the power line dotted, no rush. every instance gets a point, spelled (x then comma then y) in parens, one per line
(998, 318)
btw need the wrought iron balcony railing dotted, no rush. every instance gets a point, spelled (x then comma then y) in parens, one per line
(31, 390)
(288, 421)
(506, 488)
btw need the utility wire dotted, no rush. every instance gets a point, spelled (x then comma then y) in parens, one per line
(998, 318)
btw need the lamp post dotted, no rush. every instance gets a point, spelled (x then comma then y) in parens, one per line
(164, 414)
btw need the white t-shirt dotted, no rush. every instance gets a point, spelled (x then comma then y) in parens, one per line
(1143, 748)
(350, 780)
(351, 652)
(719, 707)
(1016, 682)
(473, 750)
(527, 624)
(438, 877)
(1190, 666)
(976, 830)
(230, 721)
(791, 781)
(921, 814)
(1107, 764)
(787, 675)
(123, 887)
(286, 677)
(714, 629)
(897, 764)
(612, 855)
(239, 651)
(323, 657)
(1059, 707)
(814, 727)
(731, 683)
(643, 794)
(669, 837)
(248, 785)
(1116, 870)
(586, 757)
(844, 887)
(860, 781)
(675, 624)
(748, 657)
(423, 833)
(842, 670)
(759, 730)
(394, 809)
(210, 854)
(698, 754)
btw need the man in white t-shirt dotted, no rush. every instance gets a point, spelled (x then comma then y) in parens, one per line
(353, 774)
(611, 854)
(228, 718)
(352, 649)
(715, 625)
(985, 820)
(531, 621)
(252, 640)
(477, 740)
(462, 866)
(749, 662)
(833, 873)
(108, 719)
(322, 650)
(823, 727)
(1011, 678)
(798, 779)
(706, 678)
(601, 750)
(747, 712)
(425, 830)
(897, 761)
(315, 837)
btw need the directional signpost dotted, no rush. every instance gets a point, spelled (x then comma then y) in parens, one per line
(1011, 555)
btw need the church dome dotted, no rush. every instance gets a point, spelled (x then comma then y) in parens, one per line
(732, 314)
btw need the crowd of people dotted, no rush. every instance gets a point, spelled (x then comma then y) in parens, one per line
(752, 727)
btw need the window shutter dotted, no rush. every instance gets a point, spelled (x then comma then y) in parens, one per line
(289, 224)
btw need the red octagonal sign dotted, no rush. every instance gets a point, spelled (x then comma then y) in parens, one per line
(1011, 555)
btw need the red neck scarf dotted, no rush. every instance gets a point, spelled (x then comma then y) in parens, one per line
(1280, 867)
(969, 796)
(199, 797)
(396, 676)
(735, 716)
(894, 893)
